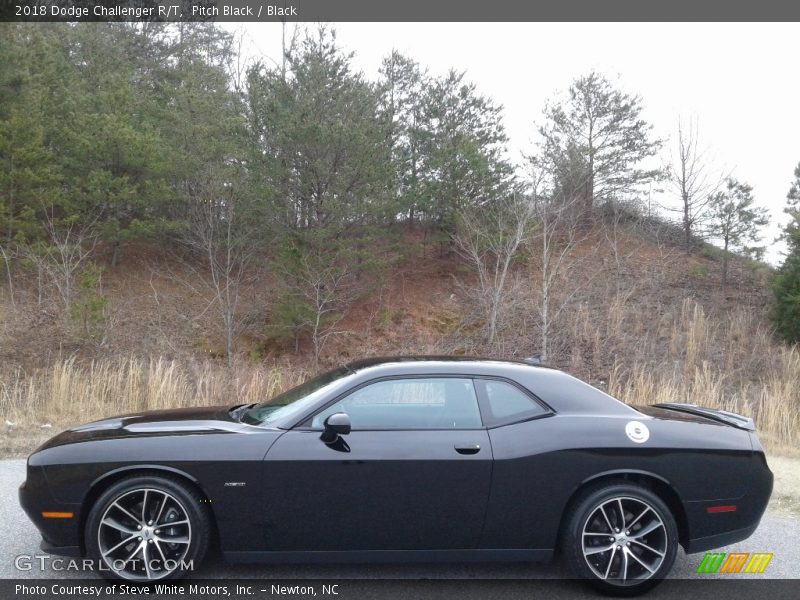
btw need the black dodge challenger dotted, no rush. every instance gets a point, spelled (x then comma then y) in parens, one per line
(405, 459)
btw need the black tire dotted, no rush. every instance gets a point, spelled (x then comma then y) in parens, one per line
(615, 571)
(174, 511)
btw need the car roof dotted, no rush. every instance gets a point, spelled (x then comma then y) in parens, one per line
(465, 362)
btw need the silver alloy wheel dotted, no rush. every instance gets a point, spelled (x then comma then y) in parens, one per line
(624, 541)
(144, 534)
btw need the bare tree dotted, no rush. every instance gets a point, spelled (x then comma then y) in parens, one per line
(63, 255)
(691, 181)
(558, 231)
(222, 233)
(617, 216)
(7, 261)
(320, 288)
(326, 293)
(490, 237)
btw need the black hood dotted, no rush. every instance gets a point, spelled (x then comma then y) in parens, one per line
(176, 421)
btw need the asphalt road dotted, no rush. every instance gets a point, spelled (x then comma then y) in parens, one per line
(779, 533)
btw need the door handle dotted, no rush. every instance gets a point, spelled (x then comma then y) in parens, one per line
(468, 449)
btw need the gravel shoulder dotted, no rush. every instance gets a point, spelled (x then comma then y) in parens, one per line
(786, 492)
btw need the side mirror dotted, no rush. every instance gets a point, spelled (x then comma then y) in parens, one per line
(335, 425)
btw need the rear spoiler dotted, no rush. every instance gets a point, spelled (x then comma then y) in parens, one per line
(723, 416)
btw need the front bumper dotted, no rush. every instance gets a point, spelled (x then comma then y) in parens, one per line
(59, 536)
(70, 551)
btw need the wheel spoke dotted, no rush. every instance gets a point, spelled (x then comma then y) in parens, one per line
(646, 547)
(621, 514)
(109, 522)
(636, 520)
(605, 516)
(624, 566)
(171, 523)
(637, 559)
(146, 557)
(597, 549)
(647, 529)
(610, 561)
(126, 511)
(144, 507)
(161, 552)
(160, 510)
(134, 553)
(177, 540)
(122, 543)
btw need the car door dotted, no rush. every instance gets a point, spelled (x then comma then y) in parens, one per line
(521, 512)
(413, 473)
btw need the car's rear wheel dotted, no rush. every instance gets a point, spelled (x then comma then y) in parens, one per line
(621, 538)
(147, 528)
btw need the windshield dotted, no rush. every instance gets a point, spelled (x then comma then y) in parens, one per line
(295, 401)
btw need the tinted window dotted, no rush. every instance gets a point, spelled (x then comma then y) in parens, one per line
(506, 403)
(430, 403)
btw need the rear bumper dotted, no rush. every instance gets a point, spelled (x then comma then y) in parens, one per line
(711, 529)
(719, 540)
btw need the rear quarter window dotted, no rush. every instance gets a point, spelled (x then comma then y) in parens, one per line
(504, 403)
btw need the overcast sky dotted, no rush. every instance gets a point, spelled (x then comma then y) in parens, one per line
(738, 80)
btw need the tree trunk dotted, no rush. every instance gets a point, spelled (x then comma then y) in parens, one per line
(725, 265)
(229, 337)
(545, 327)
(545, 301)
(590, 179)
(687, 228)
(115, 255)
(10, 282)
(493, 319)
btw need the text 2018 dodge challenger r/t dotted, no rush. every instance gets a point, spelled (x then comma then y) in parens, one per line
(405, 459)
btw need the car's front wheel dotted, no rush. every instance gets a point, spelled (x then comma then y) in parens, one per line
(147, 528)
(621, 538)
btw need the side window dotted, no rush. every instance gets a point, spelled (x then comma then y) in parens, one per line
(414, 403)
(505, 403)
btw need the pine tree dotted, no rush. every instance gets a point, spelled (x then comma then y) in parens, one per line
(596, 140)
(319, 144)
(785, 310)
(464, 152)
(734, 220)
(30, 175)
(403, 86)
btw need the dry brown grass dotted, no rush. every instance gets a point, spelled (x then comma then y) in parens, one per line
(730, 363)
(67, 393)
